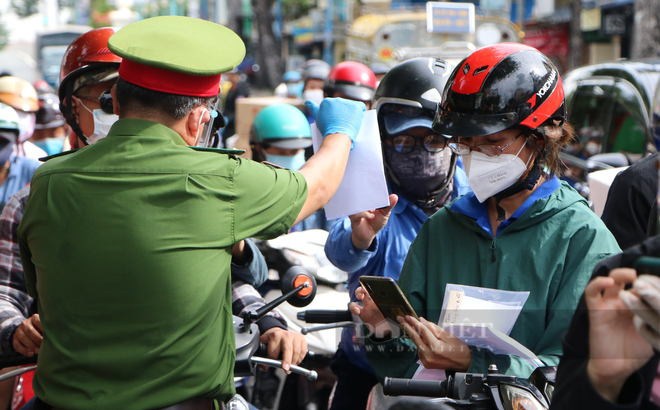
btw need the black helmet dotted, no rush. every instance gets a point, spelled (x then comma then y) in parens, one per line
(407, 97)
(417, 83)
(379, 68)
(49, 114)
(499, 87)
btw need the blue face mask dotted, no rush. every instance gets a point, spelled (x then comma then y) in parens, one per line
(292, 162)
(52, 146)
(295, 89)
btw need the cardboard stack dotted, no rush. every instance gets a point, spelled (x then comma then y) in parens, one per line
(247, 109)
(599, 186)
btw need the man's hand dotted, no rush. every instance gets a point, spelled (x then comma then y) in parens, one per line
(616, 349)
(292, 346)
(365, 225)
(28, 336)
(644, 300)
(436, 347)
(370, 314)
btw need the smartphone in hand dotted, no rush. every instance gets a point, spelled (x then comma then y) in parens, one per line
(389, 299)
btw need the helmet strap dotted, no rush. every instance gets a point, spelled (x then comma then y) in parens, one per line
(526, 184)
(67, 111)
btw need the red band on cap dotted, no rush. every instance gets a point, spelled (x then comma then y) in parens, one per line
(170, 82)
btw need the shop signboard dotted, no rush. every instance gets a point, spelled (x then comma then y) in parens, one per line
(551, 41)
(452, 18)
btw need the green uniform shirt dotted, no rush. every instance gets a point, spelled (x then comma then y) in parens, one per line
(126, 246)
(549, 251)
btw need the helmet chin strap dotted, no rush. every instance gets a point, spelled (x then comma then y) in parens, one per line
(67, 111)
(526, 184)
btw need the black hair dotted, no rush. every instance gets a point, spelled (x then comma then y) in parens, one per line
(134, 97)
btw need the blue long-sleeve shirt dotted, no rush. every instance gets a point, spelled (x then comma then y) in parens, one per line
(384, 257)
(20, 174)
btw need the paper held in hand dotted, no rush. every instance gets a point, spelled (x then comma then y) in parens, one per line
(482, 317)
(363, 187)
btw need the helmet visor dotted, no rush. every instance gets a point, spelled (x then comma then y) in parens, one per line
(398, 118)
(355, 92)
(456, 124)
(289, 143)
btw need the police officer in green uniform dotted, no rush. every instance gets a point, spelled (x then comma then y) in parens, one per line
(126, 244)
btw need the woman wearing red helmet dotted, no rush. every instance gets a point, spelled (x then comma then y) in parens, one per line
(351, 80)
(520, 230)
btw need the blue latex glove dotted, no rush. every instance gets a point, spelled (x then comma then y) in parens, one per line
(338, 116)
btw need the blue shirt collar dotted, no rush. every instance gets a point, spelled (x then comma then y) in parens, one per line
(469, 206)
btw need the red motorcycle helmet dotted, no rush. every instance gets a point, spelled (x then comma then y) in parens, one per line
(87, 60)
(354, 79)
(499, 87)
(86, 52)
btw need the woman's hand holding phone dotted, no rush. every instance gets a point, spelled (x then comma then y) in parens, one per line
(436, 347)
(370, 314)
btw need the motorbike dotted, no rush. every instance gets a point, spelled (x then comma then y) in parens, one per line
(470, 391)
(298, 288)
(305, 249)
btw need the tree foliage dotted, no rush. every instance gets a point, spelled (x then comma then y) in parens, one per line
(293, 9)
(4, 35)
(646, 29)
(25, 8)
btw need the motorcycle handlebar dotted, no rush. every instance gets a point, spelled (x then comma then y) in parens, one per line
(408, 387)
(16, 359)
(325, 316)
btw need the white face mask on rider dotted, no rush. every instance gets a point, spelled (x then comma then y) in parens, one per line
(26, 123)
(313, 95)
(102, 124)
(489, 176)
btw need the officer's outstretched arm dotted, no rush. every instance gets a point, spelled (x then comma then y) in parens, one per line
(336, 119)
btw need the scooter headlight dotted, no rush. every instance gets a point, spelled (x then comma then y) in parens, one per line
(515, 398)
(549, 391)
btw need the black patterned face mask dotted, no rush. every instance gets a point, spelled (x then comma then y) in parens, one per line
(419, 172)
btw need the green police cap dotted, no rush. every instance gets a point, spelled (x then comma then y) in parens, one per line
(176, 54)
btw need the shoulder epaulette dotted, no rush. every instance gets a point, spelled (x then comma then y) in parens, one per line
(61, 154)
(220, 150)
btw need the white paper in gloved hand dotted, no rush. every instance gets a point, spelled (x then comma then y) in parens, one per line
(363, 187)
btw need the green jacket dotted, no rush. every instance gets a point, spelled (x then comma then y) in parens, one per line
(550, 251)
(126, 246)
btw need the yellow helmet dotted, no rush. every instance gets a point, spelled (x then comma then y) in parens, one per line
(18, 94)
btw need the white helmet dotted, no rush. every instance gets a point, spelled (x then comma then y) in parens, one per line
(8, 119)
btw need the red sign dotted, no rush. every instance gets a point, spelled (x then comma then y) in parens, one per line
(551, 41)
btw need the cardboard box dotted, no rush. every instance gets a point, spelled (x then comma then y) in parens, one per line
(247, 109)
(599, 186)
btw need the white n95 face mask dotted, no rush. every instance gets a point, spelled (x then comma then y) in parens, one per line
(489, 176)
(313, 95)
(102, 124)
(26, 123)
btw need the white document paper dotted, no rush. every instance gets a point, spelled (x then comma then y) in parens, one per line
(491, 339)
(463, 309)
(480, 323)
(363, 187)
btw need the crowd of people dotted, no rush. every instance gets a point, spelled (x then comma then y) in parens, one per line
(126, 239)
